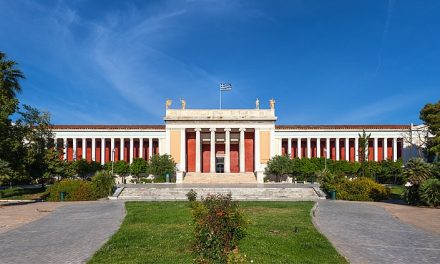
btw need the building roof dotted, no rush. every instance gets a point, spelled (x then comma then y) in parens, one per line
(110, 127)
(340, 127)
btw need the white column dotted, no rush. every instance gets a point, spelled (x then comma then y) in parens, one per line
(227, 150)
(289, 147)
(112, 148)
(242, 164)
(337, 148)
(309, 148)
(299, 147)
(375, 149)
(318, 147)
(65, 145)
(121, 145)
(141, 147)
(131, 150)
(257, 149)
(183, 149)
(356, 149)
(198, 148)
(102, 151)
(74, 148)
(84, 147)
(347, 149)
(150, 147)
(394, 149)
(327, 148)
(94, 149)
(385, 148)
(212, 150)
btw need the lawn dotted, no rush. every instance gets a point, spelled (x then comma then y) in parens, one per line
(161, 232)
(19, 193)
(396, 191)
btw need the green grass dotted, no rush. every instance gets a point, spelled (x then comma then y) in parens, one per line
(18, 193)
(396, 191)
(161, 232)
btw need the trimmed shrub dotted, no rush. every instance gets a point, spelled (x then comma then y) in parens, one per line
(361, 189)
(218, 227)
(76, 190)
(103, 184)
(429, 192)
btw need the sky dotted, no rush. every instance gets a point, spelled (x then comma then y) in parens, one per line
(324, 62)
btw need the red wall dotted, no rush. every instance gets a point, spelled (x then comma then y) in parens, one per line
(303, 148)
(136, 149)
(107, 151)
(249, 151)
(191, 151)
(390, 149)
(117, 150)
(294, 149)
(79, 149)
(98, 150)
(206, 155)
(313, 147)
(370, 150)
(352, 153)
(235, 166)
(155, 147)
(284, 147)
(399, 149)
(341, 149)
(69, 150)
(380, 149)
(323, 146)
(333, 149)
(89, 150)
(127, 150)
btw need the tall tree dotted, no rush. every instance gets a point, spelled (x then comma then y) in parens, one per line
(364, 138)
(430, 115)
(9, 76)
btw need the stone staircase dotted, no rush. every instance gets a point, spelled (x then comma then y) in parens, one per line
(175, 192)
(220, 178)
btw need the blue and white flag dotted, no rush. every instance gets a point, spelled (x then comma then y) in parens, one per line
(225, 87)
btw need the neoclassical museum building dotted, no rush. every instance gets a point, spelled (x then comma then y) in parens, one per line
(228, 140)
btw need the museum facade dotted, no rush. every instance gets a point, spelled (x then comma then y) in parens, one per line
(228, 140)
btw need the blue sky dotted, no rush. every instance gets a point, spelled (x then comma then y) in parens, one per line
(324, 62)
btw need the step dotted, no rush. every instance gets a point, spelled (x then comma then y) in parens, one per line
(238, 193)
(234, 178)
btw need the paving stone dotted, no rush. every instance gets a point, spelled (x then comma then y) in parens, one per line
(71, 234)
(365, 233)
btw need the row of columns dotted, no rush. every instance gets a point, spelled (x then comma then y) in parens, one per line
(337, 146)
(112, 148)
(227, 159)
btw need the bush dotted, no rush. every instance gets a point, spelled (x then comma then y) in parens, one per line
(103, 184)
(362, 189)
(160, 165)
(76, 190)
(429, 192)
(218, 227)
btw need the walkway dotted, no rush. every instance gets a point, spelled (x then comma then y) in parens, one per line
(366, 233)
(71, 234)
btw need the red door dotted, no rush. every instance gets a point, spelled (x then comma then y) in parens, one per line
(249, 151)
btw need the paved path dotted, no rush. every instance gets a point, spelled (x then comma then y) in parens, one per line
(366, 233)
(71, 234)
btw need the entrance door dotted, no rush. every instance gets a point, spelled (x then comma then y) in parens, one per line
(220, 165)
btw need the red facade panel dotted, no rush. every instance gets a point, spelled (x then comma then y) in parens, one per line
(191, 151)
(389, 149)
(380, 149)
(313, 148)
(333, 149)
(127, 150)
(98, 151)
(206, 157)
(304, 148)
(352, 153)
(69, 150)
(294, 149)
(370, 149)
(399, 148)
(249, 151)
(79, 149)
(155, 147)
(284, 147)
(234, 156)
(342, 149)
(89, 150)
(323, 148)
(117, 150)
(107, 151)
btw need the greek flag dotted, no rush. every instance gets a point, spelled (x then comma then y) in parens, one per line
(225, 87)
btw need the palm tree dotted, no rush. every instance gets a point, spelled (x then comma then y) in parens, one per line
(9, 77)
(417, 170)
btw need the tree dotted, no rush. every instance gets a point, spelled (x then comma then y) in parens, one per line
(161, 165)
(138, 167)
(10, 76)
(121, 168)
(38, 139)
(280, 166)
(363, 152)
(6, 173)
(417, 170)
(430, 115)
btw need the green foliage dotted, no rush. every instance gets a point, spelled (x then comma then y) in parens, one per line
(363, 152)
(103, 184)
(429, 192)
(160, 165)
(138, 167)
(76, 190)
(84, 168)
(10, 76)
(219, 225)
(20, 193)
(390, 172)
(121, 168)
(361, 189)
(191, 195)
(6, 173)
(280, 166)
(416, 171)
(430, 114)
